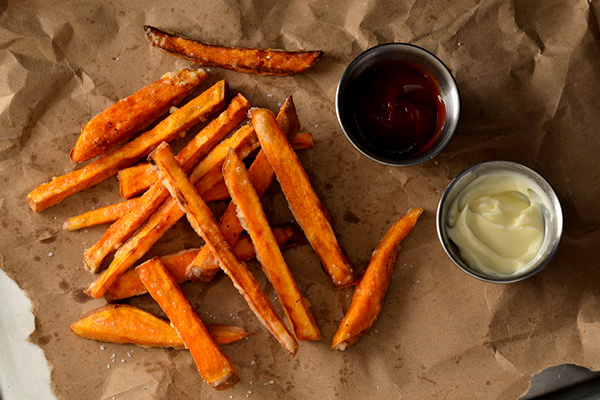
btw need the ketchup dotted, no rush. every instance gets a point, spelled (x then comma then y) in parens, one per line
(398, 109)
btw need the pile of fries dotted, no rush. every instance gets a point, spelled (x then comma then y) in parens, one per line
(208, 168)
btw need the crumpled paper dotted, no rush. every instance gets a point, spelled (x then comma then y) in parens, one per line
(528, 76)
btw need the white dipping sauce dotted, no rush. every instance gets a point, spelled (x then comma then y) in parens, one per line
(497, 222)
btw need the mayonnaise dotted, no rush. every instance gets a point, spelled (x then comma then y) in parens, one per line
(497, 222)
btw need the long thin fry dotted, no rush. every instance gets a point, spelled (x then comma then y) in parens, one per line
(102, 215)
(214, 366)
(121, 323)
(175, 125)
(304, 203)
(130, 115)
(261, 176)
(369, 293)
(129, 284)
(203, 222)
(250, 210)
(255, 61)
(243, 140)
(196, 149)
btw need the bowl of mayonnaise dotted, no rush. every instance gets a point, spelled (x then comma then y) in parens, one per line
(500, 221)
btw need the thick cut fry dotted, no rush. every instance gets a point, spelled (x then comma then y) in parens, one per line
(175, 125)
(304, 203)
(214, 366)
(261, 176)
(243, 140)
(130, 115)
(254, 61)
(122, 323)
(250, 211)
(103, 215)
(129, 284)
(203, 222)
(196, 149)
(369, 293)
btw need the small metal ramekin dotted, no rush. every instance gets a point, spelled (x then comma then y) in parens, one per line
(553, 219)
(427, 62)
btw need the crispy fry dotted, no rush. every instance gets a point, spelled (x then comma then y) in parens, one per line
(203, 222)
(304, 203)
(255, 222)
(303, 141)
(202, 143)
(130, 115)
(243, 140)
(254, 61)
(369, 293)
(214, 366)
(129, 284)
(261, 176)
(216, 193)
(176, 124)
(102, 215)
(121, 323)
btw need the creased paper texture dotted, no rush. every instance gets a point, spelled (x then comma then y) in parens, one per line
(528, 76)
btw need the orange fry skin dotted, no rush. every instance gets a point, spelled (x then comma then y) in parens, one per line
(261, 176)
(369, 293)
(130, 115)
(302, 199)
(268, 253)
(243, 140)
(203, 222)
(214, 366)
(102, 215)
(254, 61)
(121, 323)
(172, 127)
(150, 201)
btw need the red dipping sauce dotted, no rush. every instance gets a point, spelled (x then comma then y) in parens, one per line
(398, 109)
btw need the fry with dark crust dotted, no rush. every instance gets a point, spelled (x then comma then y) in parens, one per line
(130, 115)
(253, 61)
(302, 199)
(214, 366)
(102, 215)
(369, 293)
(203, 222)
(250, 211)
(121, 323)
(172, 127)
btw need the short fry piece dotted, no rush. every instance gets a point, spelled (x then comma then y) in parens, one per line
(268, 253)
(130, 115)
(102, 215)
(176, 124)
(369, 293)
(203, 222)
(304, 203)
(254, 61)
(121, 323)
(214, 366)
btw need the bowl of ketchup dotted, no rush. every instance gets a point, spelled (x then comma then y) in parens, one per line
(398, 104)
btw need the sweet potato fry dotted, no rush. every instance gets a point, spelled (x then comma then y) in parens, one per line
(102, 215)
(121, 323)
(217, 193)
(129, 284)
(261, 176)
(254, 61)
(203, 222)
(176, 124)
(369, 293)
(130, 115)
(303, 141)
(304, 203)
(243, 140)
(250, 211)
(214, 366)
(196, 149)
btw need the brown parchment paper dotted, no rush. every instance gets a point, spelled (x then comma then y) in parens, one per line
(528, 72)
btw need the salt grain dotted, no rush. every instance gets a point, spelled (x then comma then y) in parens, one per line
(102, 347)
(107, 366)
(252, 362)
(50, 254)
